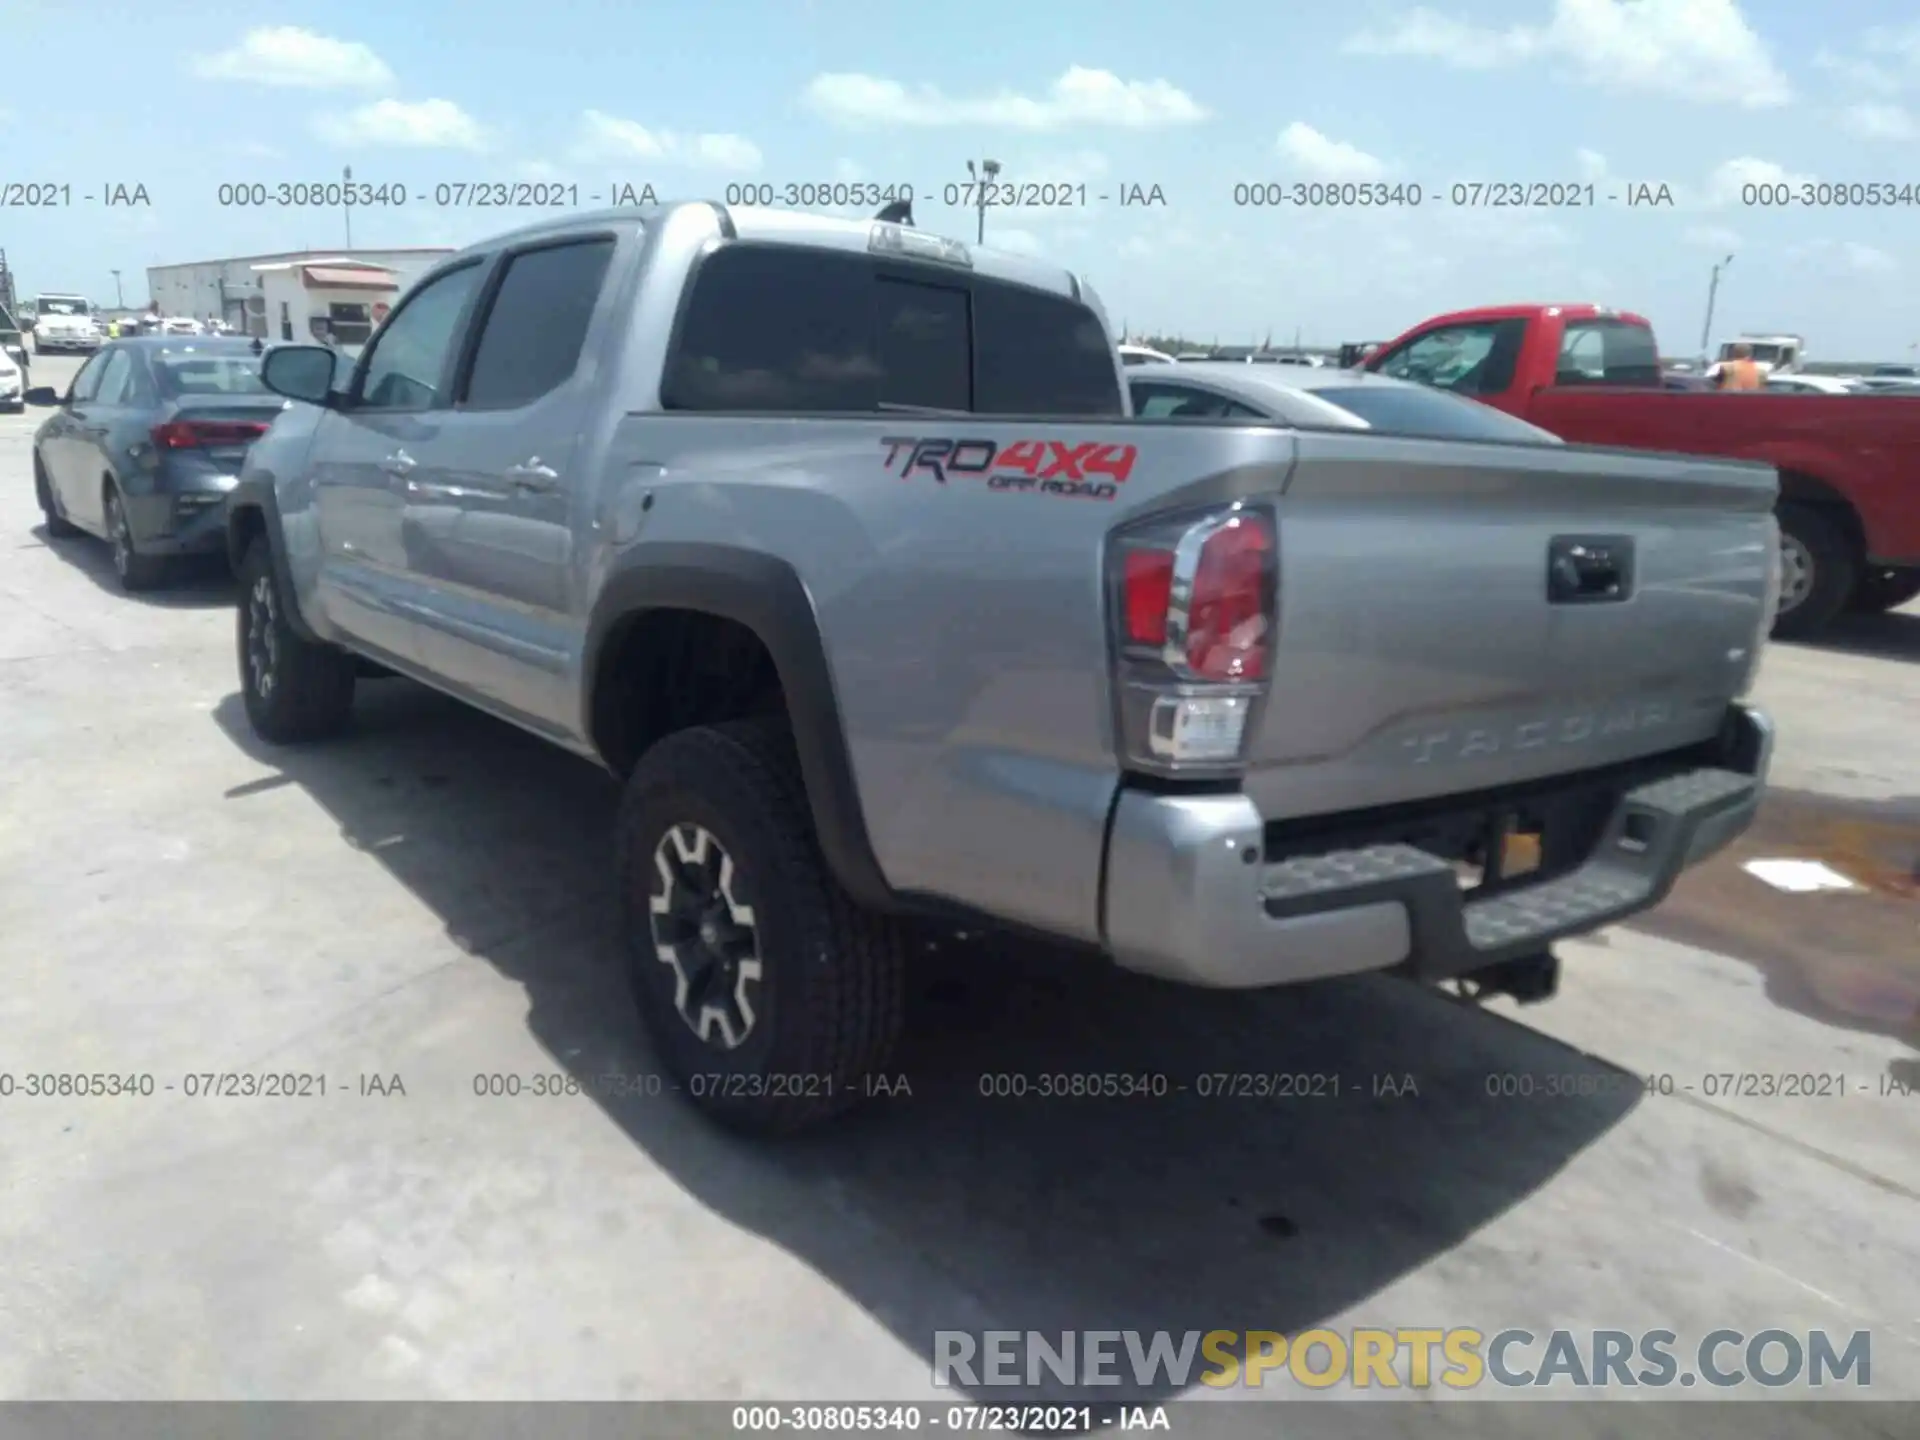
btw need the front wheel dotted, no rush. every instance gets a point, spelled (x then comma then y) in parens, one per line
(773, 1000)
(1818, 571)
(1882, 590)
(294, 689)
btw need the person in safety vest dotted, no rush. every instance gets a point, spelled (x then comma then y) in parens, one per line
(1740, 373)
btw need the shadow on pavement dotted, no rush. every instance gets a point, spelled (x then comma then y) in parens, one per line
(946, 1209)
(196, 583)
(1892, 636)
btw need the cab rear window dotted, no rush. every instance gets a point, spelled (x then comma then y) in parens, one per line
(785, 329)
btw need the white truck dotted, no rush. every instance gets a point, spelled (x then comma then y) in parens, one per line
(64, 324)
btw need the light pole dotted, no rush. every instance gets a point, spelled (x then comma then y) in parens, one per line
(982, 182)
(119, 295)
(1713, 289)
(346, 202)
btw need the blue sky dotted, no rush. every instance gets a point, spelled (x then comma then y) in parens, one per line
(1701, 96)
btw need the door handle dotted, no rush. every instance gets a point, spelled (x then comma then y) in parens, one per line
(531, 475)
(1589, 569)
(398, 463)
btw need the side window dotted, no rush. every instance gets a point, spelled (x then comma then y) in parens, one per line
(1477, 359)
(1607, 352)
(532, 337)
(112, 389)
(924, 338)
(87, 382)
(408, 362)
(1172, 402)
(1040, 354)
(767, 328)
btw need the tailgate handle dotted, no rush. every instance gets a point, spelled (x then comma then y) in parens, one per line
(1589, 569)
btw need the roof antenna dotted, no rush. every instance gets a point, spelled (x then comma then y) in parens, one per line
(900, 212)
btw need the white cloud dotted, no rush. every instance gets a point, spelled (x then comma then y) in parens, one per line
(1319, 157)
(1902, 44)
(1079, 97)
(847, 172)
(608, 139)
(1860, 75)
(1593, 165)
(1697, 49)
(538, 170)
(1877, 120)
(415, 124)
(1712, 237)
(289, 56)
(1727, 184)
(255, 150)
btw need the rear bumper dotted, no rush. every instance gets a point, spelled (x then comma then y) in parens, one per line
(190, 522)
(1192, 896)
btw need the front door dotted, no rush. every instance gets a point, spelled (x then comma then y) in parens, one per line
(366, 452)
(489, 519)
(63, 444)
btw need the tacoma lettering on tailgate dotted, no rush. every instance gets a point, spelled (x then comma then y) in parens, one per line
(1089, 470)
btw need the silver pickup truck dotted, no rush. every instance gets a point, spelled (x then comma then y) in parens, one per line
(837, 542)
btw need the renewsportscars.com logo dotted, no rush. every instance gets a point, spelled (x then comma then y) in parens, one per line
(1459, 1358)
(1088, 470)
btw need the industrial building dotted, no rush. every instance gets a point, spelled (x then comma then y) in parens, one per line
(235, 290)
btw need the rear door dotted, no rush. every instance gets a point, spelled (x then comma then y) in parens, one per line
(365, 452)
(488, 517)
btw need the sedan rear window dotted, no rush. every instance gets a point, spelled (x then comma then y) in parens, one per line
(1415, 410)
(191, 374)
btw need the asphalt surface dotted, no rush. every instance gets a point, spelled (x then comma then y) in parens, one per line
(427, 901)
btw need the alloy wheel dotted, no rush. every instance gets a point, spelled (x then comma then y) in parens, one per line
(263, 644)
(704, 933)
(1796, 572)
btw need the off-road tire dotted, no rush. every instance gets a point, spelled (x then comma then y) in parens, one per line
(58, 526)
(1835, 571)
(308, 694)
(830, 1002)
(1882, 590)
(135, 572)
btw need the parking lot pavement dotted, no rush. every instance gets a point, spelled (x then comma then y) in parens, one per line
(425, 904)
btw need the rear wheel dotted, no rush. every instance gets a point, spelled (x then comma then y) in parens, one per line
(58, 526)
(1883, 590)
(772, 999)
(294, 689)
(136, 571)
(1818, 571)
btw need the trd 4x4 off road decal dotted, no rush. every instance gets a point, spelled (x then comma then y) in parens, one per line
(1089, 470)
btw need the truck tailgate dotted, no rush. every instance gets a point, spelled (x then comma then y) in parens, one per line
(1423, 648)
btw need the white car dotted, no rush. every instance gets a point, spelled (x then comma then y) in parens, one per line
(181, 325)
(1813, 384)
(12, 386)
(1142, 355)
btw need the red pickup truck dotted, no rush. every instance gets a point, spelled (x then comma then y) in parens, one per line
(1849, 465)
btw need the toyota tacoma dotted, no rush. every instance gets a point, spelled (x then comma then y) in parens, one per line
(837, 542)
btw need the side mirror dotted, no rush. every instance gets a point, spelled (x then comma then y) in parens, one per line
(301, 372)
(42, 395)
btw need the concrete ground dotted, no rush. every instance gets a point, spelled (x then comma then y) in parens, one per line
(427, 902)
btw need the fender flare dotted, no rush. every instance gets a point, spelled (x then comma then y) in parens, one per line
(767, 596)
(256, 496)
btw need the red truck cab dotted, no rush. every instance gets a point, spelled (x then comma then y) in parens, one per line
(1849, 465)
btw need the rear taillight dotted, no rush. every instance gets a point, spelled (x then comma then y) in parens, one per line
(1194, 617)
(196, 434)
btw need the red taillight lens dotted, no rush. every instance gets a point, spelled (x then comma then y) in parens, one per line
(1227, 620)
(1148, 583)
(192, 434)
